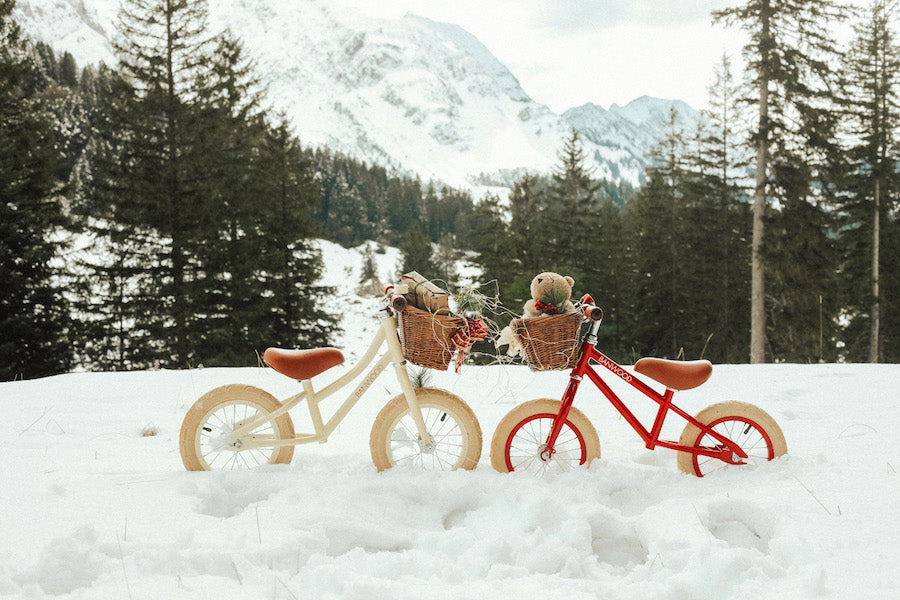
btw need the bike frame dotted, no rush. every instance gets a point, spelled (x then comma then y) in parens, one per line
(727, 450)
(386, 335)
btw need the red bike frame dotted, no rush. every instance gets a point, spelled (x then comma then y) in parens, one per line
(727, 450)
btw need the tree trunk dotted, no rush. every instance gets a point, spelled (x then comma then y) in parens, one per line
(757, 276)
(875, 317)
(757, 271)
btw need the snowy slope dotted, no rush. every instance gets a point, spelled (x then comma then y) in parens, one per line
(410, 93)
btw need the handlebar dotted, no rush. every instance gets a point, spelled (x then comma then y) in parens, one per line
(594, 313)
(397, 301)
(590, 311)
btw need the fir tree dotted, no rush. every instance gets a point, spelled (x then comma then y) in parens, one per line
(571, 212)
(529, 234)
(657, 217)
(369, 270)
(68, 70)
(417, 252)
(34, 316)
(720, 214)
(143, 191)
(445, 263)
(871, 117)
(785, 61)
(231, 188)
(289, 266)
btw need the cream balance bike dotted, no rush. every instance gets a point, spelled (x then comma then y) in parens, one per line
(241, 426)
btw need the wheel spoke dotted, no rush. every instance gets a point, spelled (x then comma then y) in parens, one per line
(527, 443)
(743, 431)
(447, 440)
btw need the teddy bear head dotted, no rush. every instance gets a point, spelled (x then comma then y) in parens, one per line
(550, 294)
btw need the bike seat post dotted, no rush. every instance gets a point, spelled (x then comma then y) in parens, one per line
(312, 403)
(660, 418)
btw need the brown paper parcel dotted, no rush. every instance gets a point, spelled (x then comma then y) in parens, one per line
(426, 295)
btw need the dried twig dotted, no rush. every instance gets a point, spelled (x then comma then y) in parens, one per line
(813, 495)
(44, 414)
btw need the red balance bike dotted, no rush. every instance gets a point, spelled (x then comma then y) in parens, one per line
(552, 435)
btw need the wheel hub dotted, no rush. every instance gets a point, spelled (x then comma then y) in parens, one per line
(545, 454)
(423, 447)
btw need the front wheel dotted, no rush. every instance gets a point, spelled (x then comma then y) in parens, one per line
(453, 427)
(204, 439)
(753, 429)
(519, 442)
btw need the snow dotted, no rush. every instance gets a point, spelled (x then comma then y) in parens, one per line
(93, 509)
(95, 502)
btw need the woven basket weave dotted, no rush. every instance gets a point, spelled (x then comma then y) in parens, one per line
(425, 337)
(551, 342)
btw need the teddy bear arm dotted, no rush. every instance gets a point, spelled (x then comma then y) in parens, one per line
(531, 309)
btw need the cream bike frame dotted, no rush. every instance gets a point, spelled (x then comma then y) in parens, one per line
(428, 427)
(387, 334)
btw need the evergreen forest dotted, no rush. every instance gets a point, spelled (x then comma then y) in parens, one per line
(154, 214)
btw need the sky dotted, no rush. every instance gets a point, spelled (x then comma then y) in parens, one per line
(567, 53)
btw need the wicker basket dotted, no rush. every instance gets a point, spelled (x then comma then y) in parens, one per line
(425, 337)
(551, 342)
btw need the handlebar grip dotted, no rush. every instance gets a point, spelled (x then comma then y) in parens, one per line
(594, 313)
(398, 302)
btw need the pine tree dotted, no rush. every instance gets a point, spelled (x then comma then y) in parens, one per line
(721, 235)
(445, 263)
(417, 252)
(227, 257)
(34, 316)
(571, 213)
(655, 216)
(489, 238)
(871, 116)
(68, 70)
(529, 234)
(289, 266)
(143, 188)
(368, 278)
(608, 251)
(785, 61)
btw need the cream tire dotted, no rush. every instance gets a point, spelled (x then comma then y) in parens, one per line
(216, 413)
(520, 433)
(454, 429)
(751, 427)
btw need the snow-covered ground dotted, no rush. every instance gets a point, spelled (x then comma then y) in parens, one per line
(91, 506)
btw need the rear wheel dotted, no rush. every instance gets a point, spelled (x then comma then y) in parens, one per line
(454, 430)
(204, 442)
(519, 442)
(753, 429)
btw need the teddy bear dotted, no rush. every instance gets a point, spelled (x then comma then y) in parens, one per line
(550, 295)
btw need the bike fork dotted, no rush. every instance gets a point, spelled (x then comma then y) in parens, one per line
(414, 409)
(560, 419)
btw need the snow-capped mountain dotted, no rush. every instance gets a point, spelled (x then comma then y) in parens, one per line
(410, 93)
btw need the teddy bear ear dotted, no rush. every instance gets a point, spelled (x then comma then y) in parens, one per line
(570, 281)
